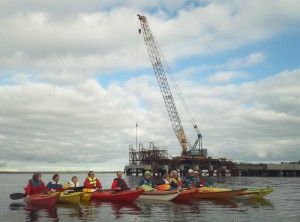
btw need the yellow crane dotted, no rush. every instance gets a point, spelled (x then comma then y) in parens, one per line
(159, 70)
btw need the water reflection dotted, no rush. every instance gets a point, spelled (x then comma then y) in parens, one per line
(142, 209)
(221, 203)
(37, 212)
(118, 208)
(256, 202)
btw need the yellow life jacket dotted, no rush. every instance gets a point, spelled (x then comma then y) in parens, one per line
(177, 181)
(93, 181)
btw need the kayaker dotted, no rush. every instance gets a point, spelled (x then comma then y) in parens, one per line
(35, 185)
(72, 183)
(175, 179)
(119, 183)
(167, 181)
(199, 181)
(145, 181)
(55, 184)
(92, 182)
(189, 180)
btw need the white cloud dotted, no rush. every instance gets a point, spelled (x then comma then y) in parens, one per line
(248, 61)
(226, 76)
(53, 110)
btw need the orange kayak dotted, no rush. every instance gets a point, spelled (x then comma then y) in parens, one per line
(43, 199)
(209, 194)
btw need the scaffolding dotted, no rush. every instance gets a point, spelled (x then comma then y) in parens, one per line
(153, 156)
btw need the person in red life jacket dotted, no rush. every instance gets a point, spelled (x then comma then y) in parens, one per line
(92, 182)
(200, 181)
(119, 183)
(35, 185)
(72, 183)
(55, 184)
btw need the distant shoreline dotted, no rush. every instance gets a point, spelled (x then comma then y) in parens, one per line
(45, 172)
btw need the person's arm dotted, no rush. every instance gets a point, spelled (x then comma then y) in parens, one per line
(127, 187)
(173, 184)
(49, 185)
(114, 184)
(87, 184)
(98, 183)
(202, 182)
(28, 189)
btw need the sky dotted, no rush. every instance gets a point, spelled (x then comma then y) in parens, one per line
(76, 78)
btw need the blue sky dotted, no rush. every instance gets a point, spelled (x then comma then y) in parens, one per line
(68, 80)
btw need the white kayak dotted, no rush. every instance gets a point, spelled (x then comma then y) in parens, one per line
(159, 195)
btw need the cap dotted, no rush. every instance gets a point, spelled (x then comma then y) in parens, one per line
(190, 171)
(196, 172)
(147, 173)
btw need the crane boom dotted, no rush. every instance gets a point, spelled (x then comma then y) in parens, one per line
(161, 77)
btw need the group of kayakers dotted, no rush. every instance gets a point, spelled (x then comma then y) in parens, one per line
(36, 185)
(174, 181)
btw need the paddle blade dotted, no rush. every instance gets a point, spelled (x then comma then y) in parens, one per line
(16, 196)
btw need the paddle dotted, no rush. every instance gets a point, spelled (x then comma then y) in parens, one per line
(17, 196)
(76, 189)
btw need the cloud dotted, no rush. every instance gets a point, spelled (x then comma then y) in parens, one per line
(58, 110)
(248, 61)
(226, 76)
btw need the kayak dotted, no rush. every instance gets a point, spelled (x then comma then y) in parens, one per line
(126, 195)
(43, 199)
(159, 195)
(256, 193)
(86, 196)
(210, 194)
(186, 194)
(71, 197)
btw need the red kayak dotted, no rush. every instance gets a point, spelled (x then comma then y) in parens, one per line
(43, 199)
(209, 194)
(186, 194)
(126, 195)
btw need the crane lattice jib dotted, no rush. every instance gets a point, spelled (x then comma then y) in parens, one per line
(163, 82)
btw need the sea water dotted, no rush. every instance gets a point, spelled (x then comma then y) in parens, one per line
(281, 205)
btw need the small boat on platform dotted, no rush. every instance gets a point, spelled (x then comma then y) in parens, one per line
(159, 195)
(255, 193)
(70, 197)
(43, 199)
(214, 194)
(126, 195)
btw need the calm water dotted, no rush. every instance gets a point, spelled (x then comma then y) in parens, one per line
(281, 205)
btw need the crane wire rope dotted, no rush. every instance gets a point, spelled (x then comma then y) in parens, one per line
(175, 85)
(137, 88)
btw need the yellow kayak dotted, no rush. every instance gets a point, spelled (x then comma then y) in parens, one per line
(256, 193)
(249, 193)
(71, 197)
(214, 189)
(87, 194)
